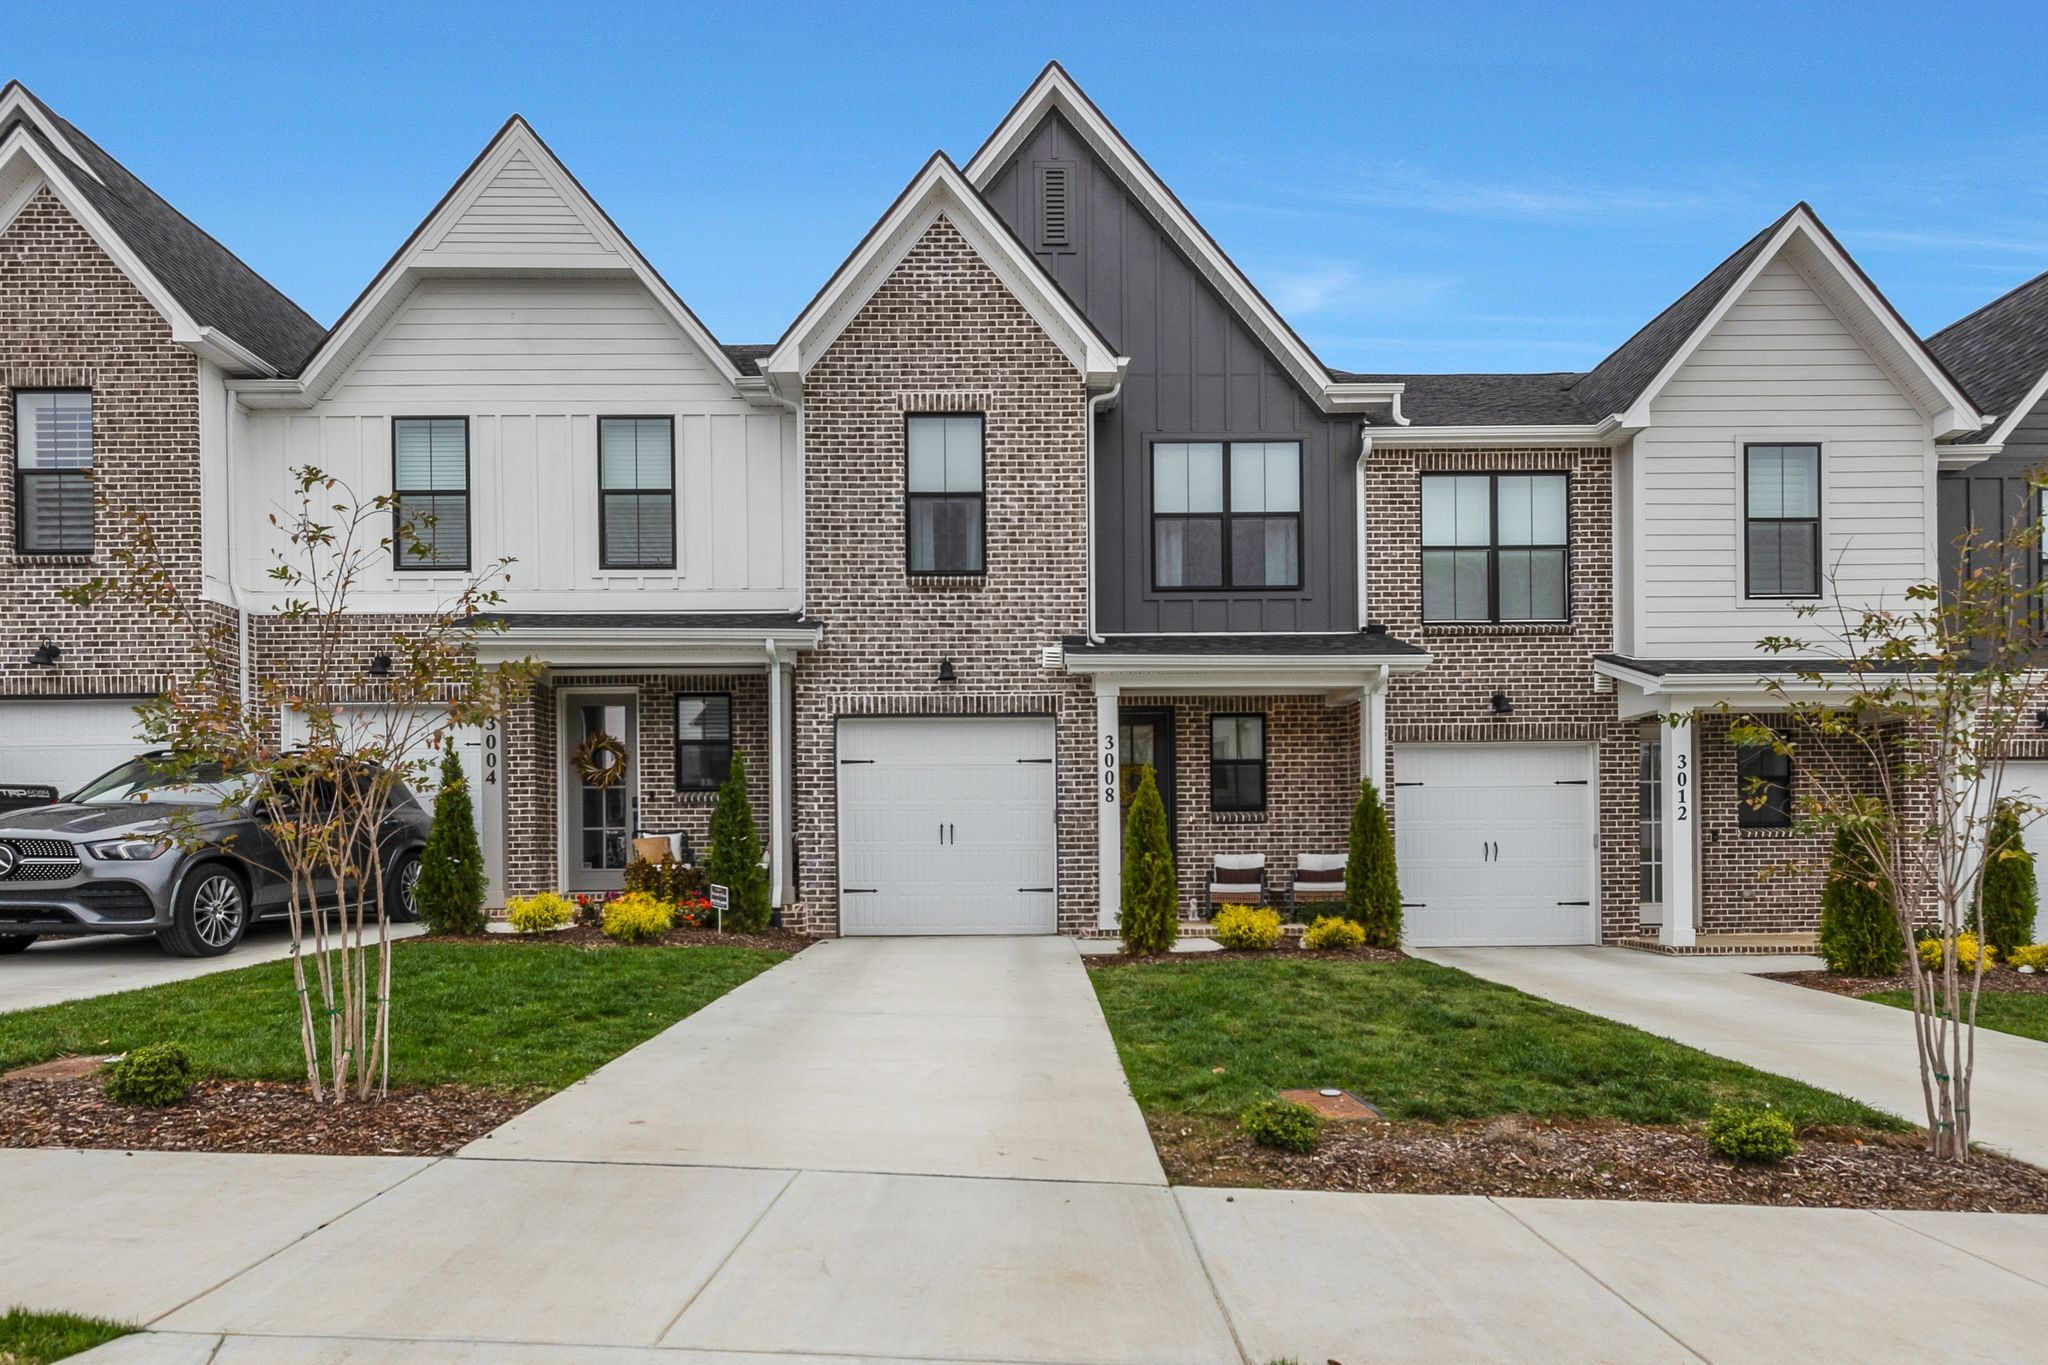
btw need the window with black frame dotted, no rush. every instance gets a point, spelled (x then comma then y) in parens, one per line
(703, 740)
(1763, 781)
(53, 464)
(1226, 514)
(943, 493)
(1494, 548)
(1781, 529)
(637, 486)
(430, 479)
(1237, 762)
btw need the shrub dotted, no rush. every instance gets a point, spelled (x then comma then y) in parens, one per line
(450, 894)
(537, 914)
(1334, 931)
(1859, 931)
(2008, 884)
(1283, 1124)
(155, 1074)
(637, 917)
(1148, 919)
(1746, 1133)
(1372, 887)
(666, 880)
(2034, 957)
(1248, 927)
(1966, 953)
(735, 857)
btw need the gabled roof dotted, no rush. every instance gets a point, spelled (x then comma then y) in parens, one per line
(2000, 352)
(515, 210)
(195, 280)
(940, 191)
(1056, 91)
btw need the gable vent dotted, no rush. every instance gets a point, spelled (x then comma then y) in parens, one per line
(1055, 199)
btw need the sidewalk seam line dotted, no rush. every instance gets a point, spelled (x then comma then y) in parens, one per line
(1963, 1250)
(1585, 1270)
(1194, 1244)
(818, 1170)
(724, 1260)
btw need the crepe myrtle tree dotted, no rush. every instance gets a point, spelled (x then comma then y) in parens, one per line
(1902, 742)
(365, 721)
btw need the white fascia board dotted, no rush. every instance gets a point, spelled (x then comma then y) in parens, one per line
(594, 646)
(1606, 432)
(1056, 90)
(1950, 413)
(2019, 411)
(1966, 456)
(15, 102)
(1294, 672)
(939, 190)
(1645, 693)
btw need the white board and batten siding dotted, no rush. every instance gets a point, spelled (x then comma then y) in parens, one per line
(1495, 844)
(1780, 366)
(947, 825)
(532, 363)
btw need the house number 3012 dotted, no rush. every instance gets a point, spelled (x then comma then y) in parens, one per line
(1109, 784)
(1681, 783)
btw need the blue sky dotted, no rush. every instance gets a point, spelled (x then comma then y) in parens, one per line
(1419, 187)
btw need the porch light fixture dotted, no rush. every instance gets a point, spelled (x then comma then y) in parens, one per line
(380, 666)
(46, 656)
(1501, 705)
(2041, 720)
(946, 673)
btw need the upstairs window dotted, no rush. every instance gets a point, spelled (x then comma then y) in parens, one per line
(430, 476)
(1781, 533)
(944, 496)
(636, 474)
(1494, 547)
(53, 472)
(703, 740)
(1226, 515)
(1763, 787)
(1237, 762)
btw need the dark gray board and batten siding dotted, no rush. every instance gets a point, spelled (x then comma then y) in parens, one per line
(1991, 498)
(1196, 373)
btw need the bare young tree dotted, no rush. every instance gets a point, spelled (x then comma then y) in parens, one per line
(1903, 737)
(336, 720)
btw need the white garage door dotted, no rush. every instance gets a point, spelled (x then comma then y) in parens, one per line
(946, 826)
(65, 743)
(1495, 843)
(2030, 780)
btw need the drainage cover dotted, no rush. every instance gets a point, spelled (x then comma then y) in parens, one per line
(1333, 1104)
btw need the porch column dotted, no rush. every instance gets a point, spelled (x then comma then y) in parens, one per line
(1372, 732)
(778, 779)
(1681, 821)
(1109, 841)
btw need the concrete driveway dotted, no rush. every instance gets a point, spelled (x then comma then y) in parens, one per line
(58, 969)
(1718, 1005)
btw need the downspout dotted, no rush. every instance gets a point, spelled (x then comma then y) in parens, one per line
(1096, 407)
(227, 451)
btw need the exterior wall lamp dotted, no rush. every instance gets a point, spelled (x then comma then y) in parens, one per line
(380, 666)
(1501, 705)
(946, 673)
(46, 656)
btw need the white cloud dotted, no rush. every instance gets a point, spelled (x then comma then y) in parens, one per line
(1332, 286)
(1398, 185)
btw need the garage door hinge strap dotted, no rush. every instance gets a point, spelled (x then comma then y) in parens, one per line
(1034, 890)
(1575, 902)
(1569, 782)
(1034, 760)
(1413, 905)
(845, 761)
(856, 890)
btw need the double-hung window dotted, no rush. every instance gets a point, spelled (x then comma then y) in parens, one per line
(1781, 532)
(1226, 514)
(1763, 778)
(943, 506)
(430, 477)
(1494, 547)
(1237, 762)
(53, 472)
(636, 475)
(703, 740)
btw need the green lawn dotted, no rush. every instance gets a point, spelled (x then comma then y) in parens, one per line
(2006, 1011)
(1417, 1040)
(38, 1338)
(517, 1017)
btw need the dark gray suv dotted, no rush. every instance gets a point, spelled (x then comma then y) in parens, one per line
(101, 862)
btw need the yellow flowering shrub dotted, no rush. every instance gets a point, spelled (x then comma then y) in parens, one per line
(2034, 955)
(1247, 927)
(1334, 931)
(1966, 953)
(537, 914)
(637, 917)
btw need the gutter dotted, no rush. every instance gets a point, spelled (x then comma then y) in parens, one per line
(1607, 431)
(1097, 405)
(234, 577)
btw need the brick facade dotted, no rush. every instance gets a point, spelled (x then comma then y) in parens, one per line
(942, 334)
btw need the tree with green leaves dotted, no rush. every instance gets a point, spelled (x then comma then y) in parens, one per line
(2009, 902)
(1149, 917)
(734, 861)
(1372, 886)
(449, 897)
(1859, 930)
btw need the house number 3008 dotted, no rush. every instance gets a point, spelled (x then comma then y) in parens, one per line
(1109, 791)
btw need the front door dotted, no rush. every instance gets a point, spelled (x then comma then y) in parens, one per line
(1145, 740)
(600, 788)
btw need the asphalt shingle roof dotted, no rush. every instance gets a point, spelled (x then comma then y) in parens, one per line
(1456, 400)
(1999, 352)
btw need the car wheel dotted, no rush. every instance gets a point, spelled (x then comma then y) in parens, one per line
(405, 883)
(210, 917)
(14, 943)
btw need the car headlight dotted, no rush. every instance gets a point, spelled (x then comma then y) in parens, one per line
(128, 850)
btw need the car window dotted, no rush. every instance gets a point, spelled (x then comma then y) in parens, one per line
(138, 780)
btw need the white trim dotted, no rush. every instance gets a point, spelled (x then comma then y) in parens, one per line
(2003, 431)
(1966, 456)
(1640, 694)
(600, 647)
(939, 191)
(1608, 431)
(564, 789)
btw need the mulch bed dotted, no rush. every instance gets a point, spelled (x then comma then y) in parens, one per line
(588, 934)
(1998, 979)
(1604, 1160)
(1097, 960)
(252, 1116)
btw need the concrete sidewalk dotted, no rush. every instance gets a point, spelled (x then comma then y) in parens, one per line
(1849, 1046)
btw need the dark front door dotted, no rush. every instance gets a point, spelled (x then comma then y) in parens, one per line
(1145, 740)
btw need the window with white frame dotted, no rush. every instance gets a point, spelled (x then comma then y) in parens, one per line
(53, 466)
(1781, 525)
(1650, 819)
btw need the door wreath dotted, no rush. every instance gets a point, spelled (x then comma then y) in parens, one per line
(600, 761)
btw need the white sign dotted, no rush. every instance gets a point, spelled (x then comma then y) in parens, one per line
(721, 897)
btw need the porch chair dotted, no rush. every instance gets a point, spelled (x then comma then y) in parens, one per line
(1318, 880)
(1237, 879)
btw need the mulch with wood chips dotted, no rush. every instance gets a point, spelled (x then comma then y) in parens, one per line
(1997, 980)
(1243, 954)
(1599, 1160)
(588, 934)
(252, 1116)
